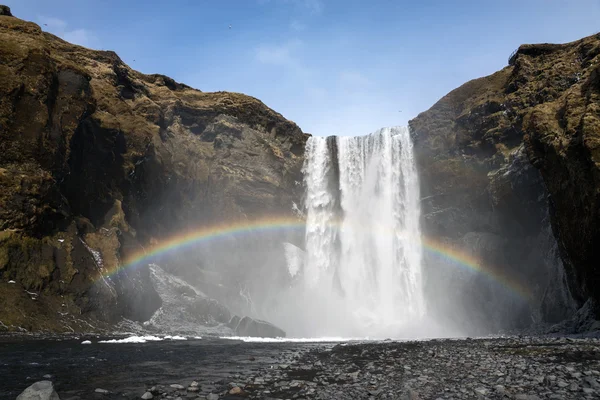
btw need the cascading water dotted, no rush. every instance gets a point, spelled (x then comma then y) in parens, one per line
(362, 266)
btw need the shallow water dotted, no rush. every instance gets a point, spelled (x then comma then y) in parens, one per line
(129, 368)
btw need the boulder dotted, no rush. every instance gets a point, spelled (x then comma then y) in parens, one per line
(234, 322)
(257, 328)
(42, 390)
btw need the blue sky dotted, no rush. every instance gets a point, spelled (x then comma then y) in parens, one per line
(345, 67)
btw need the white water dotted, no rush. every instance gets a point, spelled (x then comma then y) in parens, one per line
(362, 268)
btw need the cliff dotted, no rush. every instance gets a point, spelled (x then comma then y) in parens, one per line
(98, 160)
(508, 163)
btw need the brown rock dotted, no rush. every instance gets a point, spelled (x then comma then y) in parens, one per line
(110, 160)
(475, 150)
(237, 391)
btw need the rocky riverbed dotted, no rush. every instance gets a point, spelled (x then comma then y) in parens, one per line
(520, 368)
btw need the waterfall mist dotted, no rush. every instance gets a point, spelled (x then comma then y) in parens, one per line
(360, 272)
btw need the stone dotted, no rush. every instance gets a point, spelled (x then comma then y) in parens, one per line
(177, 386)
(47, 376)
(42, 390)
(591, 381)
(588, 391)
(147, 396)
(193, 389)
(574, 387)
(233, 322)
(212, 396)
(258, 328)
(236, 391)
(101, 391)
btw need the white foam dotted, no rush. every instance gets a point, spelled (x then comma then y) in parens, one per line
(133, 339)
(290, 340)
(169, 337)
(86, 342)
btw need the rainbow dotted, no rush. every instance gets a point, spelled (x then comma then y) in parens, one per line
(285, 224)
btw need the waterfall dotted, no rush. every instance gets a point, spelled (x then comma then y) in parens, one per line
(362, 267)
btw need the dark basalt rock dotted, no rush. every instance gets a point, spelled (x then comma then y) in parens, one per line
(257, 328)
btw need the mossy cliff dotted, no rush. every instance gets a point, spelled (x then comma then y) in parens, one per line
(510, 174)
(97, 160)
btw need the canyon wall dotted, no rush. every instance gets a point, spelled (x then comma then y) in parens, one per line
(98, 161)
(508, 163)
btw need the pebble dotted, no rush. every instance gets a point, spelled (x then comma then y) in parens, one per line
(527, 368)
(101, 391)
(177, 386)
(236, 391)
(147, 396)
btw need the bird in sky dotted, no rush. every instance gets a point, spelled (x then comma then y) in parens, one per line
(229, 26)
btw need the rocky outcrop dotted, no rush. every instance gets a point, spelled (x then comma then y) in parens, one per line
(508, 163)
(42, 390)
(99, 161)
(250, 327)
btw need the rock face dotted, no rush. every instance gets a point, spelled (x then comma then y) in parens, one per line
(99, 160)
(42, 390)
(247, 326)
(508, 163)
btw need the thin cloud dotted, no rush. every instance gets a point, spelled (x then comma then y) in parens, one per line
(281, 55)
(354, 79)
(297, 26)
(312, 6)
(59, 27)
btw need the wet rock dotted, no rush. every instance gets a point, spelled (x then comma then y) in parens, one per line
(147, 396)
(101, 391)
(42, 390)
(257, 328)
(233, 322)
(237, 391)
(177, 386)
